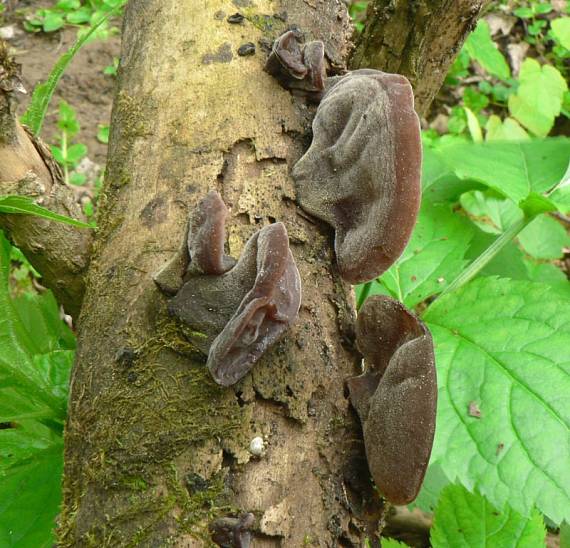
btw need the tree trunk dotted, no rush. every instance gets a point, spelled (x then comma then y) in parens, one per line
(155, 451)
(419, 39)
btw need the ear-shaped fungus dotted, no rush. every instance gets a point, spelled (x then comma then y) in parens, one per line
(361, 173)
(232, 532)
(298, 67)
(396, 397)
(237, 311)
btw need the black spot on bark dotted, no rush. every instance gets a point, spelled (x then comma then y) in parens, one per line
(154, 212)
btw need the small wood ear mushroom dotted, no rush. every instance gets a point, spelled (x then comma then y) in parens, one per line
(298, 67)
(232, 532)
(236, 310)
(396, 397)
(362, 171)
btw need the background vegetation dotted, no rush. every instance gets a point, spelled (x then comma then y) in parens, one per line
(486, 269)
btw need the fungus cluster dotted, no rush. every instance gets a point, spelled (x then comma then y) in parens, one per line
(239, 309)
(395, 397)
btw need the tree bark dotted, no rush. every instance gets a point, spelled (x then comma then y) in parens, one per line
(155, 451)
(419, 39)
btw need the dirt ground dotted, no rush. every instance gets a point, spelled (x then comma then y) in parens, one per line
(84, 85)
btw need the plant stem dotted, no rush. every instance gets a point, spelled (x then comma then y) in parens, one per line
(480, 262)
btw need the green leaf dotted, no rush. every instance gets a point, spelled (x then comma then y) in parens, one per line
(503, 345)
(474, 127)
(30, 495)
(467, 519)
(535, 204)
(434, 482)
(392, 543)
(434, 256)
(22, 205)
(507, 130)
(481, 47)
(76, 152)
(35, 114)
(79, 17)
(544, 238)
(538, 99)
(513, 169)
(77, 179)
(561, 31)
(103, 134)
(524, 13)
(67, 119)
(491, 213)
(68, 4)
(52, 22)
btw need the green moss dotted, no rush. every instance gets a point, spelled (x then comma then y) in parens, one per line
(265, 23)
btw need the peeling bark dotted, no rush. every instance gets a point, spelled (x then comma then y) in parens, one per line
(419, 39)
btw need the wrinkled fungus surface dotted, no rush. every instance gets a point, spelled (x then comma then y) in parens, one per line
(396, 397)
(361, 173)
(236, 310)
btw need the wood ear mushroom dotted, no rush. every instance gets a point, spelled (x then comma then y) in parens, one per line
(238, 309)
(396, 397)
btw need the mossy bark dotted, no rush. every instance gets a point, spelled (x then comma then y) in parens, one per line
(154, 449)
(417, 38)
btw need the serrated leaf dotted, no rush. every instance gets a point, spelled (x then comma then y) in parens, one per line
(507, 130)
(538, 99)
(481, 47)
(392, 543)
(512, 169)
(23, 205)
(561, 31)
(30, 496)
(434, 256)
(467, 519)
(503, 344)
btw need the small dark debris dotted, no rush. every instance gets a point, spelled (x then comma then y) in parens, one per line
(281, 16)
(246, 49)
(195, 483)
(500, 447)
(125, 357)
(219, 15)
(132, 377)
(474, 410)
(236, 19)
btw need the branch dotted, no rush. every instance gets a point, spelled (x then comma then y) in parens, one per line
(59, 252)
(417, 39)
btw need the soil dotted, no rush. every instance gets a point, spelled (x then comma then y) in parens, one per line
(83, 85)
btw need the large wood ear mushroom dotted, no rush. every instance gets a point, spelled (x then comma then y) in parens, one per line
(361, 173)
(396, 397)
(236, 311)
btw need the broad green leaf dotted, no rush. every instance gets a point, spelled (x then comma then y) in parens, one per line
(513, 169)
(565, 535)
(464, 519)
(507, 130)
(103, 131)
(561, 31)
(22, 205)
(76, 152)
(434, 256)
(491, 213)
(502, 345)
(481, 47)
(30, 496)
(546, 273)
(535, 204)
(80, 16)
(52, 22)
(544, 238)
(538, 99)
(35, 114)
(439, 182)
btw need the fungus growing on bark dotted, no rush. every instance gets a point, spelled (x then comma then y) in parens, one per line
(361, 173)
(298, 67)
(232, 532)
(236, 311)
(396, 397)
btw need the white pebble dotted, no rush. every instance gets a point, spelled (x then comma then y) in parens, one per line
(256, 446)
